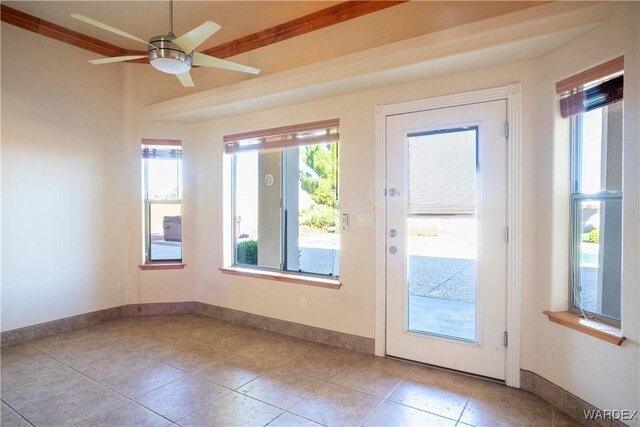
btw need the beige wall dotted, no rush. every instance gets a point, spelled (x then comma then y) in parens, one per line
(64, 196)
(32, 170)
(164, 285)
(601, 373)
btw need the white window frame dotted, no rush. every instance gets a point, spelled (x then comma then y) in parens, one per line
(147, 203)
(273, 139)
(576, 197)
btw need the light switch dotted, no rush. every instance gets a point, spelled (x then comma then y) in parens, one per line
(345, 221)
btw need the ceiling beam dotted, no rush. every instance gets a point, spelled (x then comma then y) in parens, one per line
(314, 21)
(323, 18)
(57, 32)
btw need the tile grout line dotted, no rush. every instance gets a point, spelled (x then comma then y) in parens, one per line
(105, 386)
(373, 412)
(236, 390)
(465, 405)
(544, 404)
(383, 399)
(54, 395)
(413, 368)
(241, 394)
(326, 382)
(18, 413)
(421, 410)
(195, 373)
(187, 373)
(386, 399)
(201, 407)
(228, 388)
(304, 418)
(354, 389)
(266, 372)
(417, 365)
(295, 403)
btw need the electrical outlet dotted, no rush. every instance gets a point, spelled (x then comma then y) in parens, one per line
(303, 302)
(370, 204)
(122, 287)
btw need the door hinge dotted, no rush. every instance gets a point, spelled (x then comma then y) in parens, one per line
(505, 339)
(506, 130)
(506, 234)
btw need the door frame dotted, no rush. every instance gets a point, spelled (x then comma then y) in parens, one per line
(513, 94)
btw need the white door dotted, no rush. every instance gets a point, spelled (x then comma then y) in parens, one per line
(446, 237)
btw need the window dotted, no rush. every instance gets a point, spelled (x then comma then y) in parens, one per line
(595, 107)
(162, 192)
(285, 198)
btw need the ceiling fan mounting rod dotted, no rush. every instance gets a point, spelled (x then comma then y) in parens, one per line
(171, 16)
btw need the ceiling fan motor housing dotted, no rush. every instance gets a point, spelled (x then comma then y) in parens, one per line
(168, 57)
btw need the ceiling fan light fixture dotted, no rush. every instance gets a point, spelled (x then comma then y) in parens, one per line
(170, 65)
(167, 56)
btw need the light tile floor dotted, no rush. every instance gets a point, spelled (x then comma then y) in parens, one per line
(190, 370)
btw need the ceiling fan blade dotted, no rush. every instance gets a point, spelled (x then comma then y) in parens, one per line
(109, 28)
(189, 41)
(210, 61)
(185, 79)
(116, 59)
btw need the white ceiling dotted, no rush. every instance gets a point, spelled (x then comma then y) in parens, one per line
(146, 19)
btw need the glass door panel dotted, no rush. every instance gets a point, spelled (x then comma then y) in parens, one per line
(442, 232)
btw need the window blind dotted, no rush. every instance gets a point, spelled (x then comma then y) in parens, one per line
(162, 153)
(321, 132)
(442, 172)
(593, 88)
(161, 148)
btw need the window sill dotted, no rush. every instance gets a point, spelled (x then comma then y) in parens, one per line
(283, 277)
(160, 266)
(608, 333)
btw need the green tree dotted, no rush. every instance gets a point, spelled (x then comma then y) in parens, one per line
(321, 182)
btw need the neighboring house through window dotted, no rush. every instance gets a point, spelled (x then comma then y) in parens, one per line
(162, 193)
(595, 107)
(285, 198)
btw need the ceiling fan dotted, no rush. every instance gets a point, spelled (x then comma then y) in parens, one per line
(171, 54)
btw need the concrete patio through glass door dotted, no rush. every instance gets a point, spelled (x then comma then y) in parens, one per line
(442, 296)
